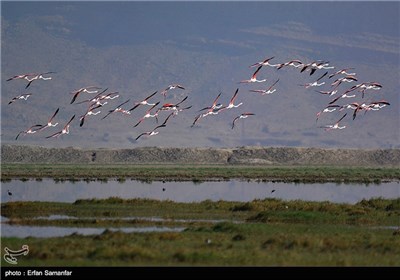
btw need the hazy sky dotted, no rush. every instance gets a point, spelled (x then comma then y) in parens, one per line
(207, 45)
(104, 23)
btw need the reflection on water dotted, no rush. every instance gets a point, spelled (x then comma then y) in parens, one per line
(233, 190)
(134, 218)
(52, 231)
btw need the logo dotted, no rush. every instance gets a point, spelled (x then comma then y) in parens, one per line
(10, 255)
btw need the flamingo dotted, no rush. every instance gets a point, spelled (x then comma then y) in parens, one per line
(330, 92)
(88, 113)
(164, 92)
(231, 105)
(348, 79)
(241, 116)
(370, 85)
(315, 65)
(266, 91)
(215, 105)
(295, 63)
(118, 109)
(376, 105)
(39, 76)
(84, 90)
(148, 115)
(143, 102)
(253, 78)
(22, 76)
(97, 98)
(315, 84)
(265, 63)
(50, 122)
(65, 130)
(342, 72)
(154, 132)
(20, 97)
(328, 109)
(335, 125)
(173, 107)
(30, 130)
(343, 95)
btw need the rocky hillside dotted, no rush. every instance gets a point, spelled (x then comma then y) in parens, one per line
(239, 155)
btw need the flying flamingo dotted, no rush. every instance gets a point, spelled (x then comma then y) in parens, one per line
(84, 90)
(348, 79)
(295, 63)
(65, 130)
(313, 66)
(241, 116)
(328, 109)
(266, 91)
(335, 125)
(88, 113)
(376, 105)
(154, 132)
(148, 115)
(315, 84)
(265, 63)
(20, 97)
(98, 97)
(30, 130)
(342, 72)
(253, 78)
(50, 122)
(143, 102)
(330, 92)
(22, 76)
(173, 107)
(164, 92)
(231, 105)
(39, 76)
(118, 109)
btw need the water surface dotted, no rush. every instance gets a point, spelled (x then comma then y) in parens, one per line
(188, 191)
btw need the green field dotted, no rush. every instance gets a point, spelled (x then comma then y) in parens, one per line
(199, 172)
(266, 232)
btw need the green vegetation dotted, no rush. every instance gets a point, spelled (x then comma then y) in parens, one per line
(265, 232)
(199, 173)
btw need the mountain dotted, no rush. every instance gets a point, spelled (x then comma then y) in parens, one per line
(205, 68)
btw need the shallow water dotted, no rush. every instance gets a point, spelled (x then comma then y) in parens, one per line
(188, 191)
(21, 231)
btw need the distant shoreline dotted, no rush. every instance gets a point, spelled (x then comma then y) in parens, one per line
(202, 164)
(264, 156)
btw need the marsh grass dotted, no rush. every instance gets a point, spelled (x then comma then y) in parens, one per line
(272, 232)
(199, 173)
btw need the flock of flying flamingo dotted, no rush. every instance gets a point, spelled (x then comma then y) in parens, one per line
(99, 97)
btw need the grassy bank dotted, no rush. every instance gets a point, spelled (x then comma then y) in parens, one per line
(199, 172)
(262, 232)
